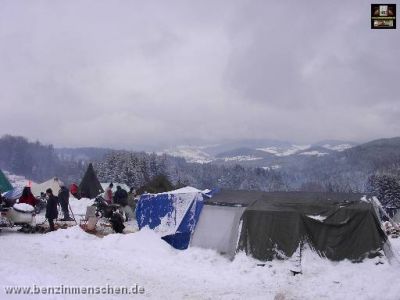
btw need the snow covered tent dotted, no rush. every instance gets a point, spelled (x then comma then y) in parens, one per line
(219, 223)
(5, 185)
(273, 225)
(53, 184)
(13, 194)
(90, 186)
(336, 225)
(173, 214)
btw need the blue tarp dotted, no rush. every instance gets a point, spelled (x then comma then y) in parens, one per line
(13, 194)
(173, 215)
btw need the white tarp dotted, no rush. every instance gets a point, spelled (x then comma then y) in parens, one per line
(53, 184)
(218, 229)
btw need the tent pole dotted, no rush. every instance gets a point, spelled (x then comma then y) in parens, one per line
(72, 213)
(376, 201)
(296, 260)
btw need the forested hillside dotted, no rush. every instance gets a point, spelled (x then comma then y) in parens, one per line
(346, 171)
(35, 160)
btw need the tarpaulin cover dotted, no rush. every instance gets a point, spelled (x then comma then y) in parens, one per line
(5, 185)
(13, 194)
(53, 184)
(337, 226)
(218, 229)
(173, 215)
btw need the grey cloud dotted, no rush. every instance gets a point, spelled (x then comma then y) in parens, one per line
(126, 73)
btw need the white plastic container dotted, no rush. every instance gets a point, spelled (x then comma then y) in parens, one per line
(21, 213)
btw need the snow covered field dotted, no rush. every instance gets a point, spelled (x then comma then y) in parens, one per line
(73, 257)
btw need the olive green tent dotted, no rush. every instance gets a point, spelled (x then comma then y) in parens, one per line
(90, 186)
(336, 226)
(5, 185)
(275, 225)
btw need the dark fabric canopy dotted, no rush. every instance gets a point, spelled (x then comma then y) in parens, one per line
(336, 225)
(234, 198)
(90, 186)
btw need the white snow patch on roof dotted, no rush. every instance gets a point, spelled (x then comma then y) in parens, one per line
(317, 217)
(24, 207)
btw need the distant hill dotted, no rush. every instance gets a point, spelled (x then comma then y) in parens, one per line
(263, 165)
(347, 170)
(245, 152)
(35, 161)
(82, 154)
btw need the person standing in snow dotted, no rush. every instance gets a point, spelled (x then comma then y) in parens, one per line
(131, 199)
(27, 197)
(108, 194)
(121, 198)
(51, 208)
(63, 198)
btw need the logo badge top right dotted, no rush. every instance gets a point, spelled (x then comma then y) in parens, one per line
(383, 16)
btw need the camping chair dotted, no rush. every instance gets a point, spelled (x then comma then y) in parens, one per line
(88, 223)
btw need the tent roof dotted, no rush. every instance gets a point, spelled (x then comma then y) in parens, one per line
(308, 202)
(53, 183)
(5, 185)
(257, 200)
(234, 198)
(90, 186)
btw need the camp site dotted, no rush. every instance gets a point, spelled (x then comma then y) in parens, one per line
(199, 150)
(211, 243)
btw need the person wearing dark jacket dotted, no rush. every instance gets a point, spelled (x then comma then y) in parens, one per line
(27, 197)
(121, 198)
(63, 198)
(51, 208)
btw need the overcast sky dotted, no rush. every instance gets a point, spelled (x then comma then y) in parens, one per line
(126, 73)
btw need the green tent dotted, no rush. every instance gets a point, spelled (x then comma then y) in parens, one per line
(5, 185)
(337, 226)
(90, 186)
(275, 225)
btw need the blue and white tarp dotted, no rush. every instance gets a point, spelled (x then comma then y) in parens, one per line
(173, 215)
(13, 194)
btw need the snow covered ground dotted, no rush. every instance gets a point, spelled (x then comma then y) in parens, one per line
(16, 180)
(71, 257)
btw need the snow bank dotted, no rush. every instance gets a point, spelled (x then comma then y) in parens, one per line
(73, 257)
(139, 243)
(69, 235)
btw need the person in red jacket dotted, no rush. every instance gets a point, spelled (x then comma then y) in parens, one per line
(27, 197)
